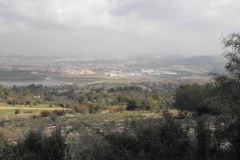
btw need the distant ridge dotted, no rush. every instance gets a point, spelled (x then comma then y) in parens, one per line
(194, 64)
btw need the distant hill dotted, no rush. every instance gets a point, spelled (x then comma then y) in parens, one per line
(180, 64)
(193, 64)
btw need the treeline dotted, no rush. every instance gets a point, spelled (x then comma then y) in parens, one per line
(86, 99)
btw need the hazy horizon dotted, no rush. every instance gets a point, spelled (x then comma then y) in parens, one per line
(116, 27)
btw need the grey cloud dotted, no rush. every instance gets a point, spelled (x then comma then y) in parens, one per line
(119, 26)
(12, 17)
(198, 14)
(154, 9)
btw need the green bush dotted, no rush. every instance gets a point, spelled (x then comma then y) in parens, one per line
(203, 139)
(6, 150)
(59, 112)
(88, 146)
(134, 103)
(197, 98)
(82, 108)
(36, 146)
(17, 111)
(45, 113)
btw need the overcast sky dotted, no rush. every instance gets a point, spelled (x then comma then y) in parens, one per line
(162, 27)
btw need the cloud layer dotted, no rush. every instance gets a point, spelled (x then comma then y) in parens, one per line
(116, 26)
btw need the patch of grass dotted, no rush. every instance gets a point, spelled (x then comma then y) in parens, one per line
(6, 109)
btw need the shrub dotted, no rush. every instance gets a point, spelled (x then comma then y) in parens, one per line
(36, 146)
(114, 109)
(45, 113)
(60, 112)
(203, 139)
(55, 146)
(197, 98)
(17, 111)
(232, 133)
(81, 108)
(134, 103)
(53, 117)
(87, 146)
(93, 109)
(4, 148)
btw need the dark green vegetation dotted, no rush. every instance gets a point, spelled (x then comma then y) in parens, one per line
(208, 126)
(198, 98)
(35, 146)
